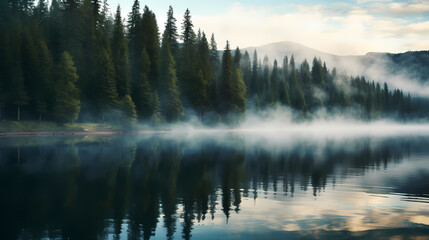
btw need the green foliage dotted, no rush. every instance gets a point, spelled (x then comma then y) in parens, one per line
(107, 95)
(171, 32)
(67, 103)
(128, 110)
(150, 40)
(122, 72)
(213, 81)
(142, 91)
(119, 48)
(246, 67)
(232, 87)
(172, 107)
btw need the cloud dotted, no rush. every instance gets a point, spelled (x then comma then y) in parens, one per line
(401, 8)
(350, 29)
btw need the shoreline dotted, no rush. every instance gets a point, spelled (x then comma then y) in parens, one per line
(97, 133)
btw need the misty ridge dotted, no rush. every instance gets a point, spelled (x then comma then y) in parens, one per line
(74, 62)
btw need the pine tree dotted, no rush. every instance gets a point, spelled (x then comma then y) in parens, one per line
(44, 97)
(285, 69)
(120, 56)
(41, 11)
(15, 83)
(246, 67)
(204, 74)
(142, 93)
(212, 89)
(239, 87)
(296, 93)
(128, 110)
(188, 68)
(54, 25)
(171, 31)
(67, 103)
(150, 39)
(265, 81)
(226, 82)
(171, 106)
(284, 91)
(89, 56)
(317, 73)
(133, 25)
(107, 95)
(255, 83)
(232, 88)
(17, 90)
(274, 83)
(25, 7)
(306, 84)
(188, 35)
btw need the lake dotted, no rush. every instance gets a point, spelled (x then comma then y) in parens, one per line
(214, 185)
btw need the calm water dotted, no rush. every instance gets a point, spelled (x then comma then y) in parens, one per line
(214, 186)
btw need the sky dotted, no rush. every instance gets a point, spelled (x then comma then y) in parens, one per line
(351, 27)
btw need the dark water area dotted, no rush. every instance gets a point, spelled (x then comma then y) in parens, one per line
(214, 186)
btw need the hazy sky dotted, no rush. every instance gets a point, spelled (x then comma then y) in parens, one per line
(340, 27)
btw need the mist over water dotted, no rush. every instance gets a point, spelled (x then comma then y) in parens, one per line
(283, 123)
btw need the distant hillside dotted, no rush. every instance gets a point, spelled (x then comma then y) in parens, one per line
(408, 71)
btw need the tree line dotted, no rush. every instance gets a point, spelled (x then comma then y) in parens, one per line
(72, 61)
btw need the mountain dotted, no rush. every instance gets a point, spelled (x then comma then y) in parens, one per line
(408, 71)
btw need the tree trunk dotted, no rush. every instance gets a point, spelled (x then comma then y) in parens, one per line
(18, 113)
(19, 155)
(40, 117)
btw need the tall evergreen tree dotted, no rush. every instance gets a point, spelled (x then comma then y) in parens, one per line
(274, 83)
(150, 39)
(255, 85)
(265, 81)
(171, 31)
(284, 91)
(17, 93)
(142, 92)
(171, 105)
(67, 103)
(107, 95)
(44, 97)
(204, 74)
(133, 25)
(246, 67)
(232, 87)
(296, 93)
(41, 11)
(239, 87)
(212, 91)
(317, 73)
(120, 56)
(306, 84)
(226, 82)
(188, 68)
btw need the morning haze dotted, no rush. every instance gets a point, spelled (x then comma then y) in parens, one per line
(214, 120)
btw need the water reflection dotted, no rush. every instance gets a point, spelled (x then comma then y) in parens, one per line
(212, 187)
